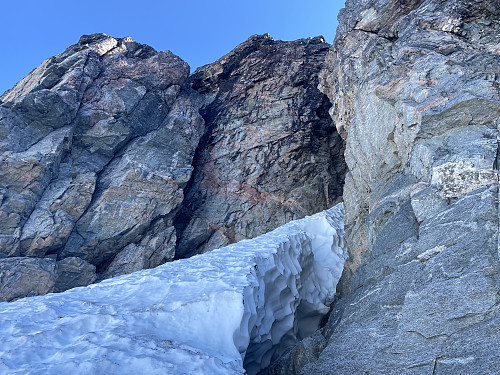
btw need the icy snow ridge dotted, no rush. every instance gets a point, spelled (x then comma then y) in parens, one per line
(202, 315)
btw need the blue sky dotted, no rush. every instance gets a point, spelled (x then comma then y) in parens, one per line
(199, 31)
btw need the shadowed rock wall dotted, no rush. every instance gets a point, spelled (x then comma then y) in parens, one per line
(271, 153)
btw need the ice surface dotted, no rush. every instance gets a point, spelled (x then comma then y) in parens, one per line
(202, 315)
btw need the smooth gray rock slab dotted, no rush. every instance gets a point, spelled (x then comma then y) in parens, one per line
(414, 88)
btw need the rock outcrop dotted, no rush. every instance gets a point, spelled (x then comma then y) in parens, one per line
(415, 89)
(114, 159)
(271, 153)
(98, 150)
(97, 146)
(25, 277)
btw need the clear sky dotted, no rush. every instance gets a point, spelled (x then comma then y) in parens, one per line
(199, 31)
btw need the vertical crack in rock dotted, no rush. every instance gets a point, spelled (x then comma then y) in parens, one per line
(242, 303)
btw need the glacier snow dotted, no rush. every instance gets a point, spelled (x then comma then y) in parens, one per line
(209, 314)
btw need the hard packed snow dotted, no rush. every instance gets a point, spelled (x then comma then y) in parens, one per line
(209, 314)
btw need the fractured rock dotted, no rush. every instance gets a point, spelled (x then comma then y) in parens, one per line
(115, 160)
(97, 146)
(24, 277)
(414, 87)
(73, 272)
(156, 248)
(270, 154)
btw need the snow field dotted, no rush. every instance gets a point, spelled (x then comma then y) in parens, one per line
(208, 314)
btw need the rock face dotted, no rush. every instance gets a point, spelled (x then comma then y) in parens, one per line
(114, 159)
(415, 88)
(271, 153)
(22, 276)
(98, 145)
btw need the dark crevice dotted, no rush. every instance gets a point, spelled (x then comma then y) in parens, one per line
(435, 365)
(497, 158)
(389, 38)
(187, 207)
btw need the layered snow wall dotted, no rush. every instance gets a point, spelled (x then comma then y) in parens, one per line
(203, 315)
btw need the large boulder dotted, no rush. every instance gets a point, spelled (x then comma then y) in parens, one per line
(23, 277)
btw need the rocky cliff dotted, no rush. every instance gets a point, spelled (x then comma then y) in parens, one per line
(93, 164)
(415, 91)
(115, 159)
(271, 153)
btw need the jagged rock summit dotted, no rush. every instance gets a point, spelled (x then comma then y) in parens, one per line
(270, 153)
(92, 168)
(115, 159)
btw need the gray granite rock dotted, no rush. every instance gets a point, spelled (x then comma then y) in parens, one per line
(143, 184)
(96, 148)
(414, 87)
(304, 352)
(73, 272)
(156, 248)
(24, 277)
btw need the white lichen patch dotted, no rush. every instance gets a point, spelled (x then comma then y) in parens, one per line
(456, 179)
